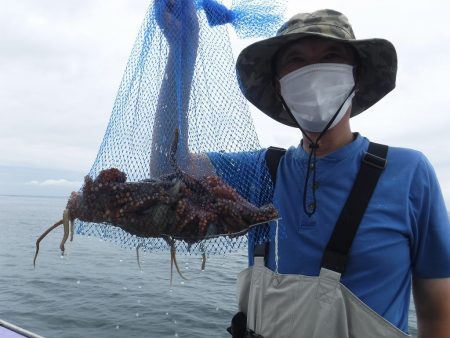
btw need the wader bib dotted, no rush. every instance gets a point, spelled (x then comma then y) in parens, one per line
(297, 306)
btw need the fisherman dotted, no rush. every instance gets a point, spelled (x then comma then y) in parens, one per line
(315, 75)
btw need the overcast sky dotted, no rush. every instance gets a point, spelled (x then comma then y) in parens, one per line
(61, 63)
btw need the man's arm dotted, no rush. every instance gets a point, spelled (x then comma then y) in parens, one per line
(432, 300)
(179, 24)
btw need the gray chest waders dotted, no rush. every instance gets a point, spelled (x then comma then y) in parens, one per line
(295, 306)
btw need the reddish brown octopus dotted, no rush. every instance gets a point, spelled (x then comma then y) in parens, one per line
(175, 206)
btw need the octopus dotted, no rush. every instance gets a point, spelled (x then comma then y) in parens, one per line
(176, 206)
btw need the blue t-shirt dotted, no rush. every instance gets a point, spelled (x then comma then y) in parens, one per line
(405, 229)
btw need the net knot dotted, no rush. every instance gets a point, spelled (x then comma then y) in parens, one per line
(216, 13)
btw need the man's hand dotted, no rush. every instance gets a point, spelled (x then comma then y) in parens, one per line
(432, 300)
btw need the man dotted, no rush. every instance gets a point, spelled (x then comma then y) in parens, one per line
(315, 75)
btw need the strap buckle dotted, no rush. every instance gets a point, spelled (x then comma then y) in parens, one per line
(374, 161)
(260, 250)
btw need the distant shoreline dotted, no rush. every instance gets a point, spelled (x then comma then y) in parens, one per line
(33, 196)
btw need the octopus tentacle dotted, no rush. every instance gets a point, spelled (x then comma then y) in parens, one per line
(173, 259)
(66, 223)
(41, 237)
(137, 256)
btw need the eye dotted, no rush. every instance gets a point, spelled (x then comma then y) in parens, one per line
(294, 60)
(290, 64)
(333, 56)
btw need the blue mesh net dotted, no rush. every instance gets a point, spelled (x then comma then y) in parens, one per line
(181, 77)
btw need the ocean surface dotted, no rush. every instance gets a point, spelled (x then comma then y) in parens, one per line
(97, 289)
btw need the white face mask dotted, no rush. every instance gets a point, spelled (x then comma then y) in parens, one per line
(315, 92)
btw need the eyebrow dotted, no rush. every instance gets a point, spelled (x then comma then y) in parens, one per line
(341, 49)
(332, 48)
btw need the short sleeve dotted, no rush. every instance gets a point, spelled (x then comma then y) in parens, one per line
(430, 224)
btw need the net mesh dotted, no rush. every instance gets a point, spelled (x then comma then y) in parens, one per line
(180, 78)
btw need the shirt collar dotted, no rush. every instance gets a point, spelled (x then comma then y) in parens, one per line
(351, 149)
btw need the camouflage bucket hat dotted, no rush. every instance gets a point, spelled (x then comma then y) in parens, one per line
(377, 59)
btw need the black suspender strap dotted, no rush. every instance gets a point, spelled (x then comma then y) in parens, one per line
(273, 157)
(336, 253)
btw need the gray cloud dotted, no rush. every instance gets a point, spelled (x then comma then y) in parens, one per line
(60, 68)
(61, 64)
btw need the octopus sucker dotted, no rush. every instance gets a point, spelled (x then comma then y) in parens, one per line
(176, 206)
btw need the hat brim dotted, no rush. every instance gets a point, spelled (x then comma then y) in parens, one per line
(378, 62)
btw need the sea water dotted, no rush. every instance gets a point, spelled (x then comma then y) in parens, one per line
(97, 289)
